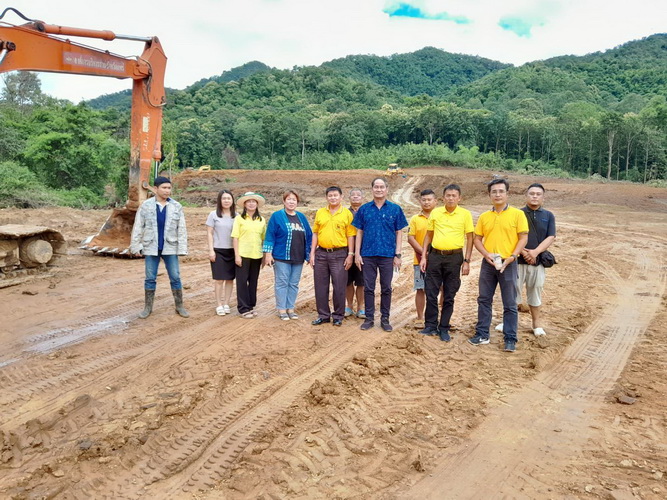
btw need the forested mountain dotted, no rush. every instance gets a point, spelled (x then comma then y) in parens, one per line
(637, 67)
(234, 74)
(428, 71)
(603, 114)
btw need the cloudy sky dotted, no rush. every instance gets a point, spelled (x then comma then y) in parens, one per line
(203, 38)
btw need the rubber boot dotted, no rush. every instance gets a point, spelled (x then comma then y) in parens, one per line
(148, 308)
(178, 300)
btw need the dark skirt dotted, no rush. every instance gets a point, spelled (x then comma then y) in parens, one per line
(224, 267)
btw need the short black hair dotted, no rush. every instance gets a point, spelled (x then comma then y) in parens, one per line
(334, 188)
(498, 181)
(426, 192)
(451, 187)
(536, 185)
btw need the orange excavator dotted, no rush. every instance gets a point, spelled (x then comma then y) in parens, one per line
(37, 46)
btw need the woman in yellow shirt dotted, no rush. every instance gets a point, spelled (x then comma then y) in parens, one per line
(247, 237)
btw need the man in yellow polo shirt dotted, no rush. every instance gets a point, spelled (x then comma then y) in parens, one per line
(416, 234)
(500, 235)
(449, 230)
(331, 255)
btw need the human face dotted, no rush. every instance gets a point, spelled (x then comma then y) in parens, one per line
(379, 190)
(334, 198)
(355, 198)
(452, 198)
(498, 195)
(290, 203)
(250, 205)
(534, 198)
(226, 200)
(163, 191)
(427, 202)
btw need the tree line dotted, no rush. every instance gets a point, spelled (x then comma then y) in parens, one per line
(563, 117)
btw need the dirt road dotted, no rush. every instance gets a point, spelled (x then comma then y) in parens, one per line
(99, 404)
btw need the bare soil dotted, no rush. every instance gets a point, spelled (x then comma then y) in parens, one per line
(97, 403)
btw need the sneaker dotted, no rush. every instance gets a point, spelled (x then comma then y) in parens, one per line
(386, 326)
(348, 312)
(444, 336)
(510, 346)
(499, 327)
(284, 316)
(227, 309)
(429, 330)
(292, 315)
(220, 311)
(477, 340)
(361, 314)
(539, 331)
(367, 324)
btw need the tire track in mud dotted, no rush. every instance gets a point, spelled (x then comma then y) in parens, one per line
(510, 454)
(196, 453)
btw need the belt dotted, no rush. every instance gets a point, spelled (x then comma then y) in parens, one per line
(446, 252)
(329, 250)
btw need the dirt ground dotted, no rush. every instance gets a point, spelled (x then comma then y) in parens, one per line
(97, 403)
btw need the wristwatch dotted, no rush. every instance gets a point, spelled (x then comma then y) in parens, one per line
(397, 255)
(466, 260)
(516, 257)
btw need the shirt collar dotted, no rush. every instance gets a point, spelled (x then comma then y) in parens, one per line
(493, 209)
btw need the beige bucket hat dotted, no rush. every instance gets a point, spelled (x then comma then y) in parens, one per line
(251, 196)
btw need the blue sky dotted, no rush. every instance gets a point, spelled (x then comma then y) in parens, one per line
(203, 38)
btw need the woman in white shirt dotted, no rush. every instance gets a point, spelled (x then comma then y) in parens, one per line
(220, 249)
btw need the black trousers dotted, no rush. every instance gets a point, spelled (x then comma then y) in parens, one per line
(385, 267)
(445, 271)
(246, 284)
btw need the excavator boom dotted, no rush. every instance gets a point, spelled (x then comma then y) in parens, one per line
(37, 46)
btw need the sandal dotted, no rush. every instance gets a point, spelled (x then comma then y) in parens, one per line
(220, 311)
(227, 309)
(361, 313)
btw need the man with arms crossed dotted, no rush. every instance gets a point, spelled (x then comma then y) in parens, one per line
(378, 246)
(449, 229)
(331, 255)
(500, 235)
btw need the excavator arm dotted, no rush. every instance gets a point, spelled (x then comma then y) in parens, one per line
(37, 46)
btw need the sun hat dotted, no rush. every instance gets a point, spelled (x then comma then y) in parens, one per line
(251, 196)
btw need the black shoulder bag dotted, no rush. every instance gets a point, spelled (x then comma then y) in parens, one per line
(546, 258)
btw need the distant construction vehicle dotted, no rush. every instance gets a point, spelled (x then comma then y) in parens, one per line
(394, 169)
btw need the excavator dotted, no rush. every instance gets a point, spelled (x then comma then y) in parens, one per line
(38, 46)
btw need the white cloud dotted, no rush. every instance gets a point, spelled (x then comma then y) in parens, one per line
(203, 38)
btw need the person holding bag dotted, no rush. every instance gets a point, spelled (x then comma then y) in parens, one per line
(535, 257)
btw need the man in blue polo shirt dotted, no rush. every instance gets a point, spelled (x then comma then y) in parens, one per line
(378, 245)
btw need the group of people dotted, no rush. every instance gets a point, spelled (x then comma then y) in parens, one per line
(349, 247)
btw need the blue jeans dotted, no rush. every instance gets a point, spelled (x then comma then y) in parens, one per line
(170, 262)
(489, 279)
(287, 284)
